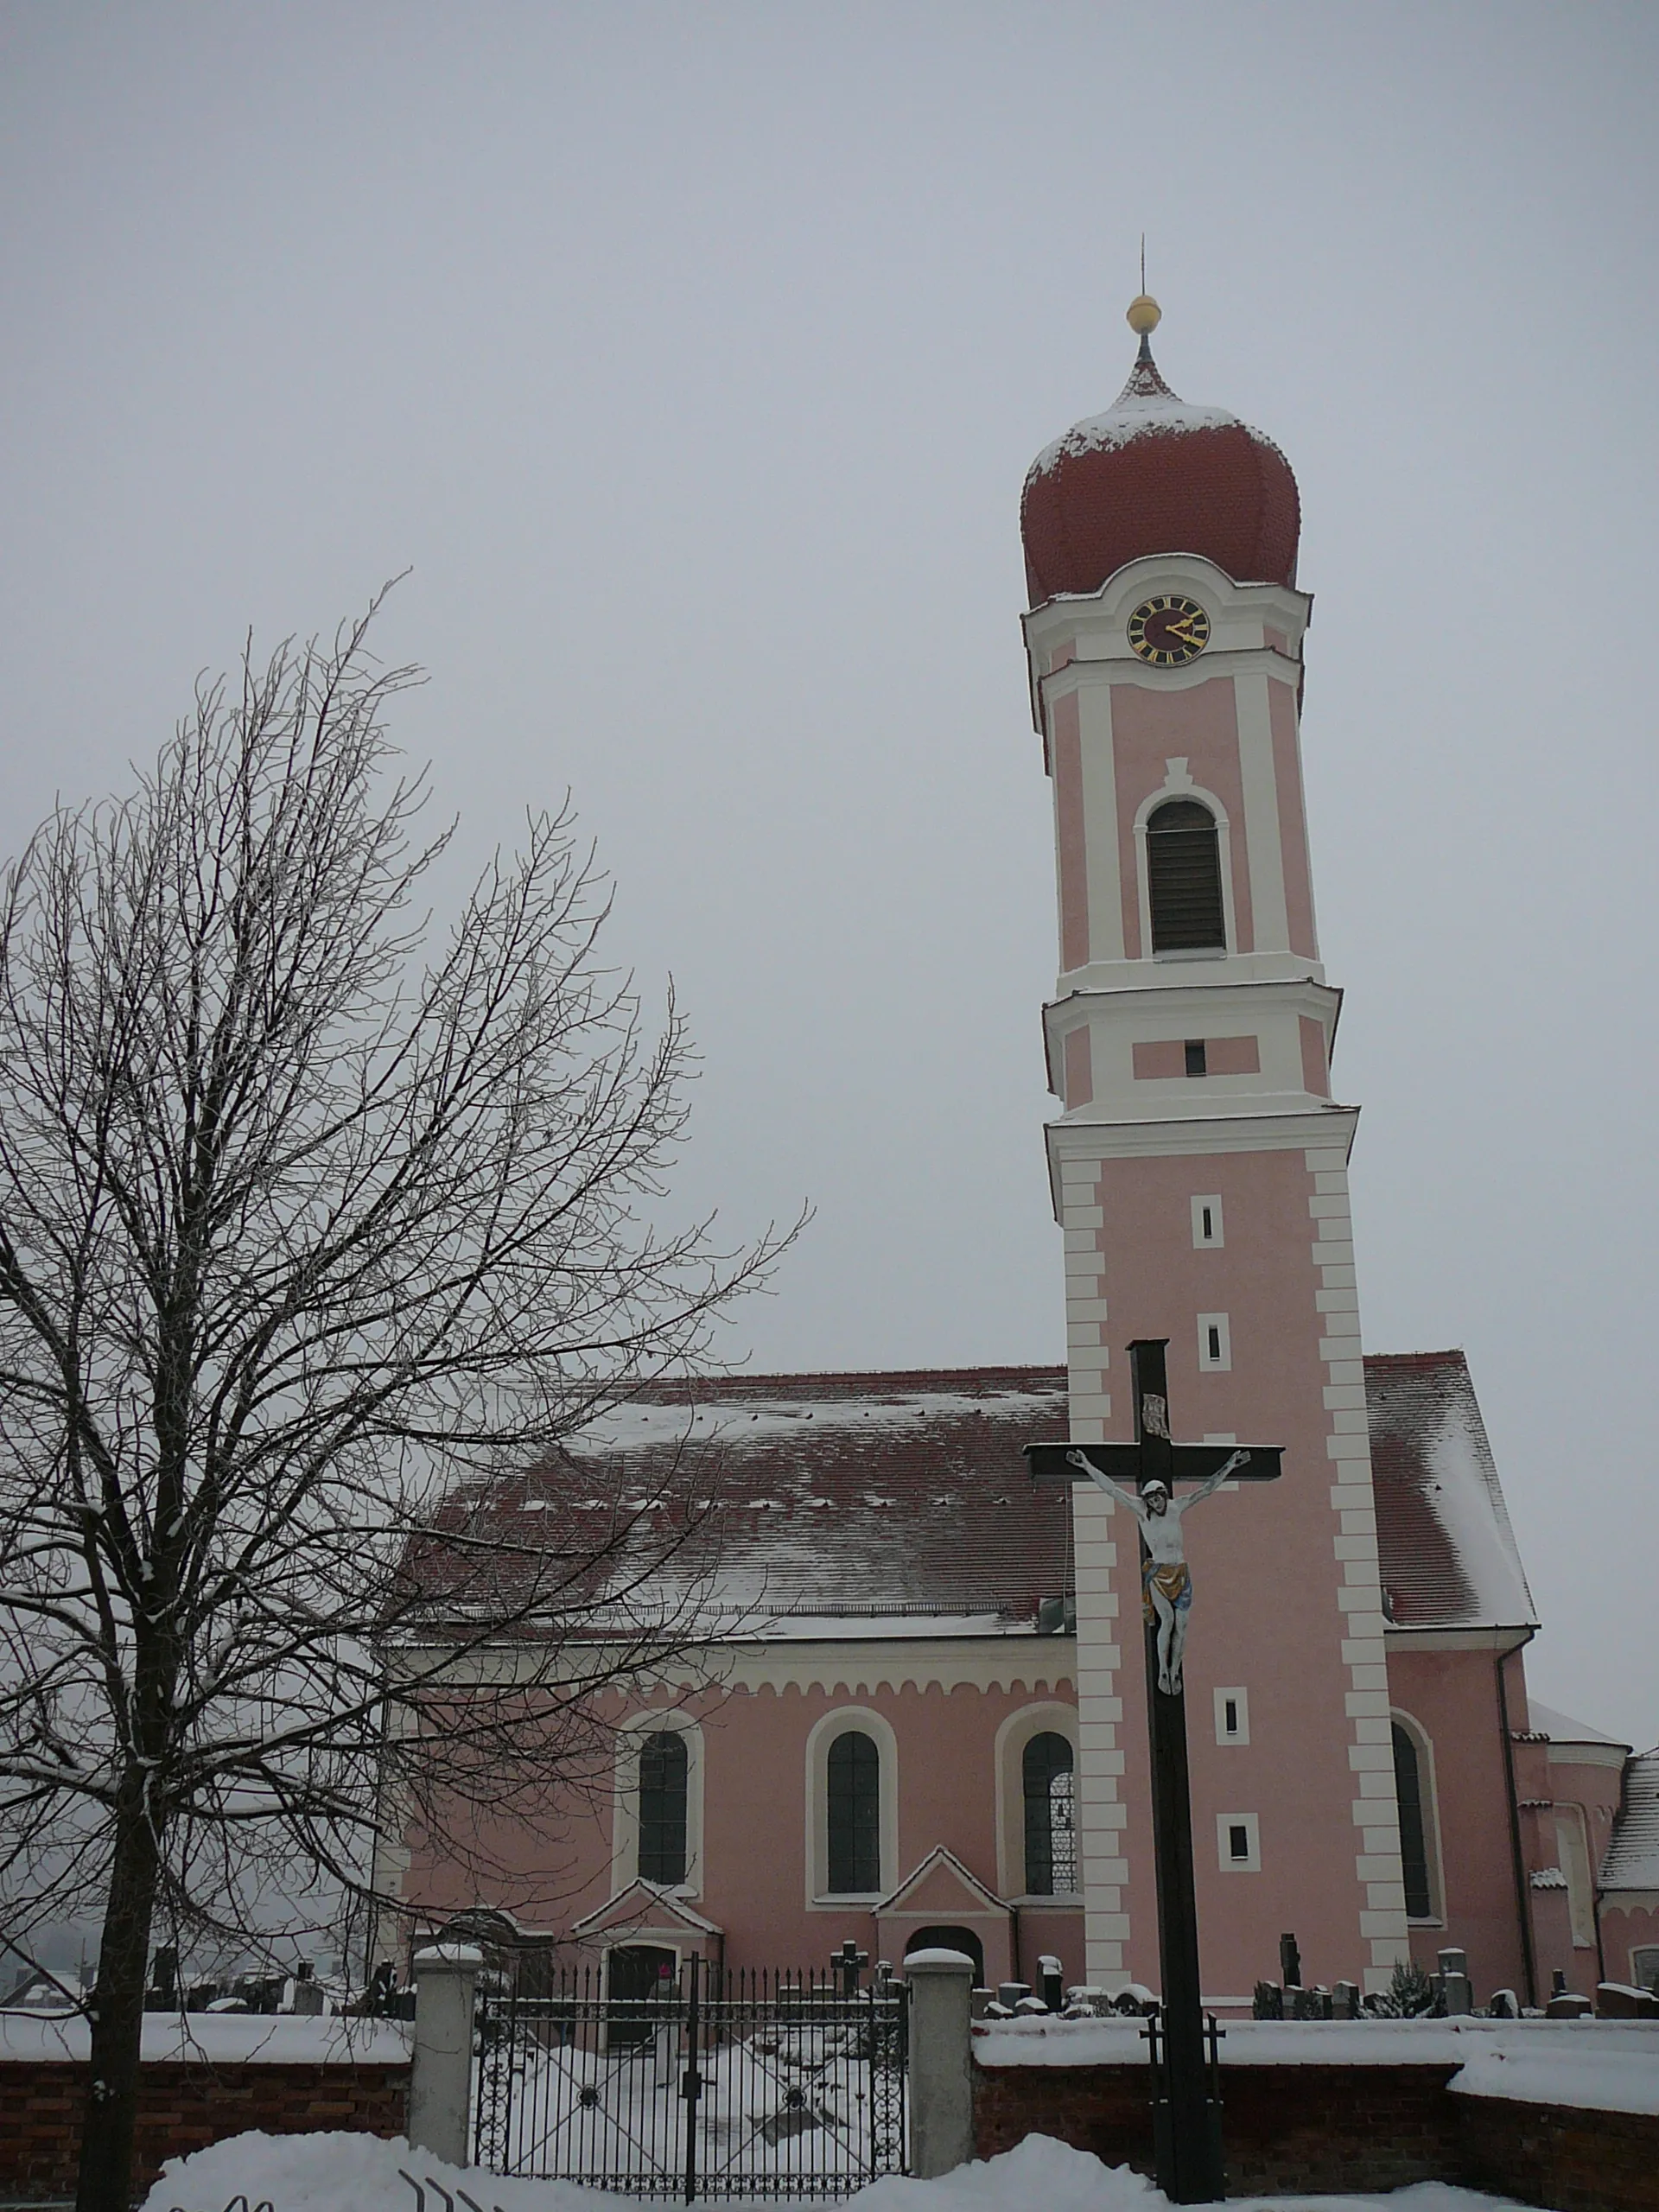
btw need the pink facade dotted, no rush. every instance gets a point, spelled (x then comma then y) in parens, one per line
(917, 1711)
(1267, 1616)
(1148, 729)
(751, 1878)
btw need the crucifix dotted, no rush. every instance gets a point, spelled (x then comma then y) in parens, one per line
(1142, 1476)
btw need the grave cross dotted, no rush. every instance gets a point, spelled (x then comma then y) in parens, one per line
(1142, 1477)
(849, 1962)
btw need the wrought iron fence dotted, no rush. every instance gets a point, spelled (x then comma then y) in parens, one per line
(704, 2083)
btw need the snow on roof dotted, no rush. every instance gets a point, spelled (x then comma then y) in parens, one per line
(1448, 1554)
(898, 1504)
(1632, 1860)
(1561, 1728)
(1145, 407)
(835, 1505)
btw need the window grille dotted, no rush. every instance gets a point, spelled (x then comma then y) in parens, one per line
(1051, 1818)
(1184, 881)
(854, 1809)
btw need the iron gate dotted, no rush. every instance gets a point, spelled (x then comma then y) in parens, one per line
(705, 2084)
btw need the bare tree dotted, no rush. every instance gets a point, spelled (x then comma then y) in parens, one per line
(309, 1244)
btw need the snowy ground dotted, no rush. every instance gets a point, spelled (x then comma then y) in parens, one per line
(358, 2173)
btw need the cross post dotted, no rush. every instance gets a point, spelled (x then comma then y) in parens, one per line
(1186, 2117)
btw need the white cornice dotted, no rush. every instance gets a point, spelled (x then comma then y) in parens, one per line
(1456, 1639)
(1564, 1751)
(1205, 972)
(1159, 992)
(1129, 668)
(1080, 1139)
(1032, 1664)
(1100, 617)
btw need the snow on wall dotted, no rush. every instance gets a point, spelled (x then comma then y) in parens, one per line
(1585, 2080)
(217, 2037)
(1578, 2044)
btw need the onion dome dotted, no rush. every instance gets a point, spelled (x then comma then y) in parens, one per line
(1153, 475)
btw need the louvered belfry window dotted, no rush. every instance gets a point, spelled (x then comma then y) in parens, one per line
(854, 1809)
(1184, 879)
(663, 1772)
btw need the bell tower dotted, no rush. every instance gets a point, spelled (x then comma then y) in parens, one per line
(1198, 1169)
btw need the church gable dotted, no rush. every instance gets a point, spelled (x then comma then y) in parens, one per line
(642, 1904)
(941, 1888)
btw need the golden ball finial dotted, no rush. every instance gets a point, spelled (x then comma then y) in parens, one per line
(1144, 315)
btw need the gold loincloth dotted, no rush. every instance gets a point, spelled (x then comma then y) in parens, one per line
(1174, 1580)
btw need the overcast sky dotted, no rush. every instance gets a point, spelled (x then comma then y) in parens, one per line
(692, 357)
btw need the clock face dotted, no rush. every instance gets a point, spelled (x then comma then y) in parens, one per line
(1169, 631)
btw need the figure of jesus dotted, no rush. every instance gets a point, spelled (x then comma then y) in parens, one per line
(1166, 1577)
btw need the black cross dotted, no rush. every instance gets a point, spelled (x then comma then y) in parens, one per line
(1186, 2118)
(849, 1962)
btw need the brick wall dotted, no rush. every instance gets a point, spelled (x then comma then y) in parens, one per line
(1288, 2128)
(183, 2107)
(1334, 2129)
(1573, 2161)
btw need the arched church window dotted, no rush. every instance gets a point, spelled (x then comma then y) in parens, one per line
(854, 1809)
(1184, 878)
(1413, 1836)
(664, 1771)
(1051, 1822)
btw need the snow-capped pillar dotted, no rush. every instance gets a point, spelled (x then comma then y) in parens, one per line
(941, 2071)
(440, 2081)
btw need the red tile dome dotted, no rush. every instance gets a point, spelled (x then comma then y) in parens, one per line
(1153, 475)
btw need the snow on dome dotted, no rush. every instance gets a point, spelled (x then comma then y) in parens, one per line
(1154, 474)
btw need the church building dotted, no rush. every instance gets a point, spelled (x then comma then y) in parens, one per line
(920, 1714)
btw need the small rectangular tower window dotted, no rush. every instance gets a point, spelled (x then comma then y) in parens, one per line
(1196, 1056)
(1215, 1344)
(1238, 1843)
(1232, 1716)
(1207, 1231)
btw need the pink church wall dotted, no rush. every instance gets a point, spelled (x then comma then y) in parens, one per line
(755, 1846)
(1149, 728)
(1158, 1059)
(1233, 1056)
(1263, 1566)
(1073, 845)
(1626, 1928)
(1293, 820)
(1452, 1697)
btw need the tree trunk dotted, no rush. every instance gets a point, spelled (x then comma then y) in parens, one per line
(111, 2108)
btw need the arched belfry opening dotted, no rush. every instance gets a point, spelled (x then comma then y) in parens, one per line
(1184, 879)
